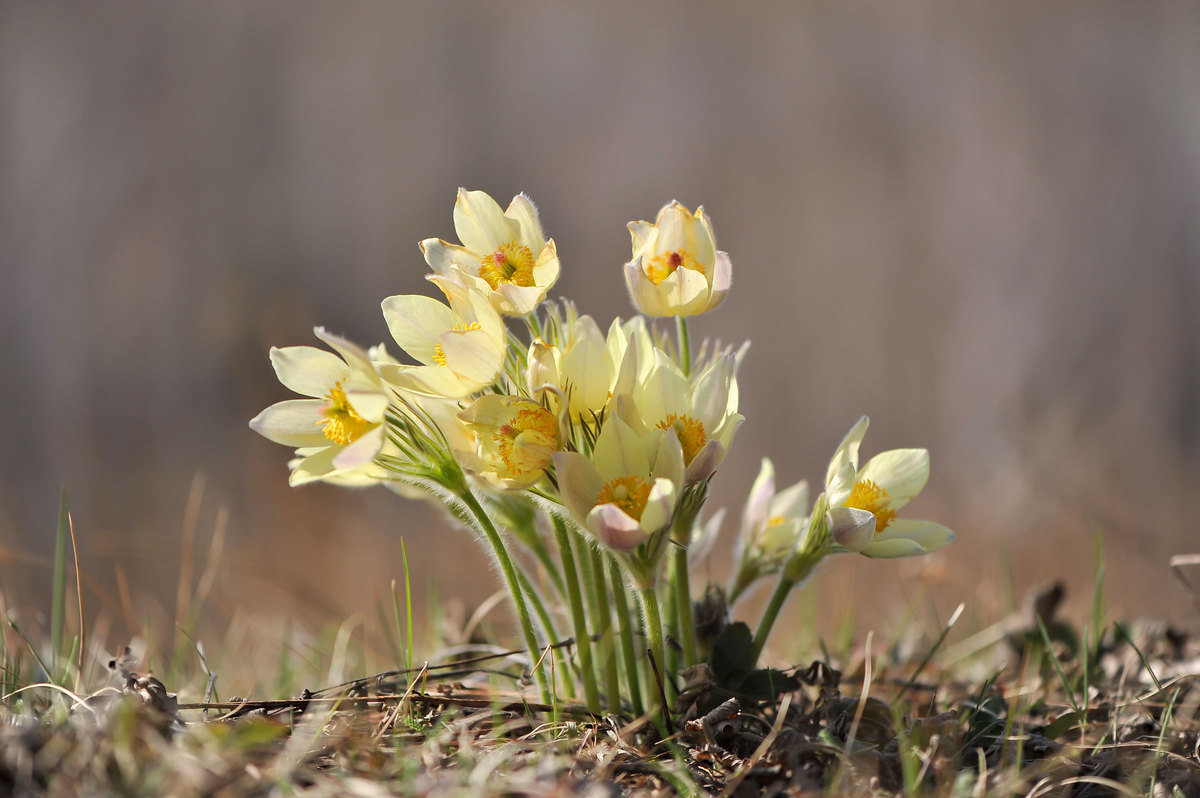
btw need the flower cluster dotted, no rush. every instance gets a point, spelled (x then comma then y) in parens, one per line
(510, 408)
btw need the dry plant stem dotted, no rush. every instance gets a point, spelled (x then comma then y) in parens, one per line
(514, 589)
(608, 649)
(629, 653)
(583, 640)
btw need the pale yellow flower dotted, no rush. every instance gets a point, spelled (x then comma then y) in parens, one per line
(517, 439)
(676, 269)
(702, 411)
(772, 526)
(460, 347)
(629, 488)
(503, 254)
(339, 430)
(863, 501)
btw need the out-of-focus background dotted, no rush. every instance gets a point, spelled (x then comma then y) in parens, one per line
(979, 226)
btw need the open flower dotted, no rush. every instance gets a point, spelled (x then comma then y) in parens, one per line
(339, 430)
(863, 501)
(503, 254)
(628, 490)
(517, 439)
(676, 269)
(772, 525)
(703, 412)
(460, 347)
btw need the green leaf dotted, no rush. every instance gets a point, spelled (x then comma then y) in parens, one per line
(733, 656)
(767, 684)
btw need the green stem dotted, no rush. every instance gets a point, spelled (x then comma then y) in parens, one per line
(628, 651)
(671, 620)
(683, 607)
(583, 640)
(771, 613)
(547, 624)
(685, 345)
(654, 637)
(608, 649)
(514, 590)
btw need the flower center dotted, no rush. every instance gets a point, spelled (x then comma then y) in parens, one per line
(439, 354)
(341, 424)
(527, 442)
(690, 433)
(874, 499)
(660, 267)
(630, 493)
(511, 263)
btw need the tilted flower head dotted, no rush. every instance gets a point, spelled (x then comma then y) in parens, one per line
(339, 430)
(460, 347)
(503, 253)
(629, 488)
(703, 411)
(676, 269)
(863, 501)
(772, 526)
(517, 439)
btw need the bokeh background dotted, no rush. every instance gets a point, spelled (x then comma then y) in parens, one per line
(980, 226)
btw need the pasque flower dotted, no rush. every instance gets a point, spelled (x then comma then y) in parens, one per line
(772, 525)
(863, 501)
(460, 347)
(676, 269)
(339, 430)
(503, 254)
(517, 439)
(628, 490)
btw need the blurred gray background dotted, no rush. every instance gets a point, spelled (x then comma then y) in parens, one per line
(977, 225)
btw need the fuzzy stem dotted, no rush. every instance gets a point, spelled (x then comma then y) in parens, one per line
(654, 630)
(608, 650)
(514, 589)
(782, 589)
(683, 607)
(685, 345)
(583, 639)
(626, 628)
(543, 616)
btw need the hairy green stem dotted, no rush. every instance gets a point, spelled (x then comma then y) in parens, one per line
(547, 624)
(583, 639)
(683, 607)
(629, 653)
(608, 649)
(514, 589)
(685, 345)
(782, 589)
(654, 639)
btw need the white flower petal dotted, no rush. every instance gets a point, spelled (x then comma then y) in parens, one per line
(295, 422)
(906, 537)
(613, 527)
(846, 455)
(851, 527)
(479, 222)
(416, 322)
(578, 483)
(307, 370)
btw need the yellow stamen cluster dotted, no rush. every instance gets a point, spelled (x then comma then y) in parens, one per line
(660, 267)
(690, 433)
(439, 354)
(527, 443)
(874, 499)
(342, 424)
(630, 493)
(511, 263)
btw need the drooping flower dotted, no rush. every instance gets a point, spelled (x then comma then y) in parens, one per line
(863, 502)
(517, 439)
(703, 411)
(676, 269)
(772, 525)
(628, 490)
(460, 347)
(503, 254)
(339, 430)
